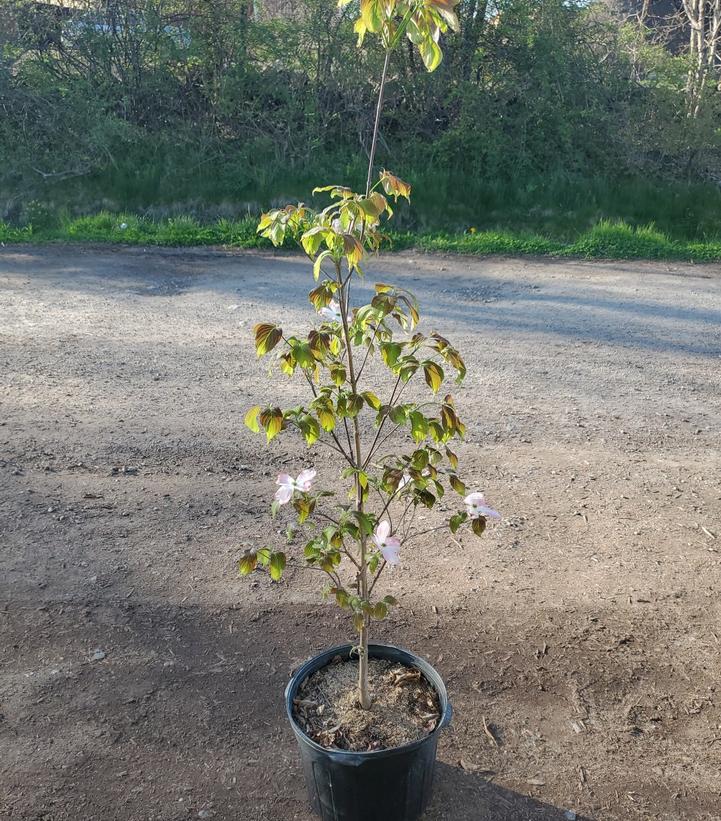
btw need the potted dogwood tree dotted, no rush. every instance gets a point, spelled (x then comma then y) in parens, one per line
(367, 716)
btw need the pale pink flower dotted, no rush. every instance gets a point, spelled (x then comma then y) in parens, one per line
(387, 544)
(288, 485)
(476, 506)
(331, 311)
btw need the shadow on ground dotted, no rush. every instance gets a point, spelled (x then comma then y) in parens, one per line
(122, 710)
(462, 796)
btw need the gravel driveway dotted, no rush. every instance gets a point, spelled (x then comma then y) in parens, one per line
(141, 679)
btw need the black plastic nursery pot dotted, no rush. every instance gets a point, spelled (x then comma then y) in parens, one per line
(384, 785)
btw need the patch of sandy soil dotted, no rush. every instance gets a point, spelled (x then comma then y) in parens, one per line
(141, 679)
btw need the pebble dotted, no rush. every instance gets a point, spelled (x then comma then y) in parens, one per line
(569, 815)
(98, 655)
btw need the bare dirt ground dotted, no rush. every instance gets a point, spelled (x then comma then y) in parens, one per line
(141, 679)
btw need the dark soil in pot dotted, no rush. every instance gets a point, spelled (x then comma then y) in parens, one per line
(405, 706)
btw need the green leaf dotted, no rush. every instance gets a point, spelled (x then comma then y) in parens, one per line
(354, 405)
(390, 600)
(372, 400)
(433, 374)
(437, 430)
(365, 521)
(430, 52)
(266, 338)
(304, 506)
(319, 262)
(312, 239)
(327, 419)
(359, 621)
(341, 596)
(374, 205)
(419, 425)
(371, 15)
(251, 419)
(338, 373)
(408, 368)
(310, 428)
(380, 610)
(456, 521)
(303, 354)
(277, 566)
(247, 563)
(390, 351)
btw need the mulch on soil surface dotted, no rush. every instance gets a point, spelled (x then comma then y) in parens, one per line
(405, 706)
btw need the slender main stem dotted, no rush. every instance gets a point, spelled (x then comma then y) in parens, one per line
(362, 564)
(376, 124)
(363, 590)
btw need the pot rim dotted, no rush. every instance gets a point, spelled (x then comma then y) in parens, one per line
(311, 665)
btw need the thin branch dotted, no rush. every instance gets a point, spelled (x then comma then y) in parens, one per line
(377, 576)
(380, 427)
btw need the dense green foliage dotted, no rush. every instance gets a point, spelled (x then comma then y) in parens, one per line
(545, 116)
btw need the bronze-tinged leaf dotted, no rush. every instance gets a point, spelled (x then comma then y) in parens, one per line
(395, 186)
(267, 336)
(352, 249)
(272, 421)
(452, 458)
(478, 525)
(458, 485)
(446, 9)
(321, 295)
(251, 419)
(434, 375)
(287, 364)
(247, 563)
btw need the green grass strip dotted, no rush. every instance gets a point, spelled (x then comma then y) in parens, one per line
(606, 240)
